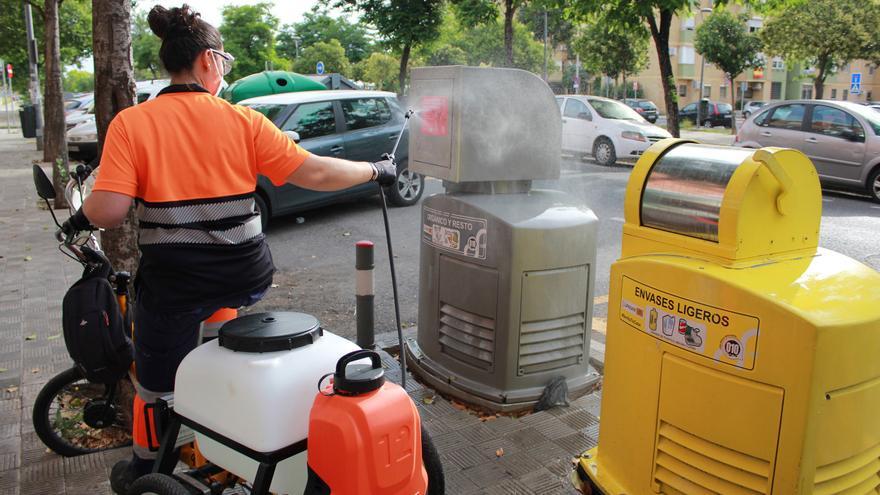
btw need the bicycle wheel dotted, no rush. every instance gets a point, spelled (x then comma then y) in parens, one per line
(73, 416)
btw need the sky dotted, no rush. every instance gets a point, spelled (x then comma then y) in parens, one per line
(287, 12)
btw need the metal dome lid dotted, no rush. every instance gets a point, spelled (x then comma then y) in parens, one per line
(270, 332)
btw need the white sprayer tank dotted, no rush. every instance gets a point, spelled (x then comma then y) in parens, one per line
(255, 385)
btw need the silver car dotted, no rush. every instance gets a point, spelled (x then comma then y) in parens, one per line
(841, 138)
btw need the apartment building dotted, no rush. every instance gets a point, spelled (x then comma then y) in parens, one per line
(776, 81)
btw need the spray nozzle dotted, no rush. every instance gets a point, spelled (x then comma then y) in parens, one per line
(409, 113)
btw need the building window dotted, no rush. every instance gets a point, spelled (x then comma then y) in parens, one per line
(868, 96)
(707, 91)
(722, 92)
(688, 24)
(778, 63)
(845, 95)
(834, 94)
(682, 90)
(776, 91)
(807, 92)
(755, 25)
(686, 56)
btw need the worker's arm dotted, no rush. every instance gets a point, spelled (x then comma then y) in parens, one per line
(324, 173)
(106, 209)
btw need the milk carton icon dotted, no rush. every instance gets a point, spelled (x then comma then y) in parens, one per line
(668, 325)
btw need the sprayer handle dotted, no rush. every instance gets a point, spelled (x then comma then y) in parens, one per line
(347, 359)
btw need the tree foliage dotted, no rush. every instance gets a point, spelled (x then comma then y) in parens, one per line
(560, 29)
(145, 49)
(402, 24)
(381, 69)
(330, 52)
(482, 44)
(249, 34)
(657, 14)
(826, 34)
(605, 48)
(79, 81)
(725, 42)
(75, 24)
(318, 26)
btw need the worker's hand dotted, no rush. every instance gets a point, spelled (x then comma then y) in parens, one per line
(76, 224)
(385, 171)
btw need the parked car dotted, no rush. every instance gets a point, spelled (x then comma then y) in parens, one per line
(604, 128)
(82, 132)
(751, 107)
(712, 114)
(645, 108)
(82, 114)
(355, 125)
(841, 138)
(77, 103)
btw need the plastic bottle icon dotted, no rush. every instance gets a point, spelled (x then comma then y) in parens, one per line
(652, 320)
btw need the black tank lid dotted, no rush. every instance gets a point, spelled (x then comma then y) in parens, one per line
(270, 332)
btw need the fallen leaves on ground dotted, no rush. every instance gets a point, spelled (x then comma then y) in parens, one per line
(32, 336)
(428, 400)
(499, 452)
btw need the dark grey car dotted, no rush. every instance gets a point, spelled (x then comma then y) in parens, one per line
(354, 125)
(841, 138)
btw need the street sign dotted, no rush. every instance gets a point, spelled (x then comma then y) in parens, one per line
(319, 68)
(855, 83)
(9, 70)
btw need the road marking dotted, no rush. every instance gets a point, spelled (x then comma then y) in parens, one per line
(600, 299)
(599, 324)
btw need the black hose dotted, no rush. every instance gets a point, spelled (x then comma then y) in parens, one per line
(394, 288)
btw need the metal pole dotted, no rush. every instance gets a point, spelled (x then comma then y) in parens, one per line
(577, 74)
(36, 98)
(6, 96)
(545, 46)
(365, 294)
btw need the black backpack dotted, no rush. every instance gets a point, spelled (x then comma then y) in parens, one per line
(94, 329)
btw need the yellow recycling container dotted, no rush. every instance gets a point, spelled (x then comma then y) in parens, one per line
(741, 358)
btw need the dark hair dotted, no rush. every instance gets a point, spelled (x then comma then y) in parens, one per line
(184, 36)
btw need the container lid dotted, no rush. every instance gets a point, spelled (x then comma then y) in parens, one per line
(356, 379)
(270, 332)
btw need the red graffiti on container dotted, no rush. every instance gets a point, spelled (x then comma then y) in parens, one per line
(434, 116)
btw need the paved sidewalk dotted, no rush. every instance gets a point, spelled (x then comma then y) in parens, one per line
(536, 450)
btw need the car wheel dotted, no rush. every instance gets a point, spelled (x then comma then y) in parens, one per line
(262, 209)
(407, 190)
(604, 153)
(746, 114)
(874, 185)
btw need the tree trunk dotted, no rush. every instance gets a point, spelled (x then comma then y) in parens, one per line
(404, 61)
(54, 145)
(509, 10)
(624, 85)
(114, 91)
(732, 105)
(821, 74)
(661, 41)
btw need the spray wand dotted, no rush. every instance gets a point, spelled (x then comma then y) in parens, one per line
(402, 351)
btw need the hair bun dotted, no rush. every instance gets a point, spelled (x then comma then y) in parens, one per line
(169, 22)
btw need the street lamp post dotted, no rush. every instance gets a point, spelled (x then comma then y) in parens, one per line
(545, 46)
(703, 11)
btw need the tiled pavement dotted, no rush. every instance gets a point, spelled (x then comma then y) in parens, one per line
(537, 448)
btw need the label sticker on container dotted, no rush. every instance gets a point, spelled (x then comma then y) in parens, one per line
(434, 116)
(717, 333)
(457, 233)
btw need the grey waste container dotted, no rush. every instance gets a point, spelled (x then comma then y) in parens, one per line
(28, 116)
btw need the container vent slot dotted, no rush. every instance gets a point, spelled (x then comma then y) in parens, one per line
(858, 474)
(467, 337)
(690, 465)
(551, 344)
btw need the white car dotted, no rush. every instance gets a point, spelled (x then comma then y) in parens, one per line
(752, 107)
(606, 129)
(82, 131)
